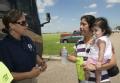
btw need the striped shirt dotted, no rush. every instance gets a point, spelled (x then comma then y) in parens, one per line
(82, 49)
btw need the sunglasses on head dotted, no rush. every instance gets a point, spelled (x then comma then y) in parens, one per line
(22, 23)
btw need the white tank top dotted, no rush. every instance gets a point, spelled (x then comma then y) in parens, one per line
(94, 50)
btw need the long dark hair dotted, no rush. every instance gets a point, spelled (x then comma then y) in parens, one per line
(11, 17)
(102, 23)
(90, 20)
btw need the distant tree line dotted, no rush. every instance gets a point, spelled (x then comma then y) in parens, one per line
(117, 28)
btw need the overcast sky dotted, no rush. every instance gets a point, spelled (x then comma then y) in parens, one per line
(65, 14)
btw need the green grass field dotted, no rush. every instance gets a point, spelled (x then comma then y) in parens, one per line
(51, 45)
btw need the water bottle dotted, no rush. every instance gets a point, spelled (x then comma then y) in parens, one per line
(64, 54)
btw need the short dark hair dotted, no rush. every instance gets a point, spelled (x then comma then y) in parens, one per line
(102, 23)
(11, 17)
(90, 20)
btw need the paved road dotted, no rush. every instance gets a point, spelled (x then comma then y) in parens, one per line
(59, 73)
(63, 73)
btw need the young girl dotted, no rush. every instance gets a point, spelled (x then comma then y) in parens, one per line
(101, 49)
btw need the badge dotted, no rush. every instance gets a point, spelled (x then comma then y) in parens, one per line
(30, 47)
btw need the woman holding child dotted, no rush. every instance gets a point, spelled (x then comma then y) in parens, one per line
(82, 48)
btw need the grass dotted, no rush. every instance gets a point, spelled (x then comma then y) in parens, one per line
(52, 46)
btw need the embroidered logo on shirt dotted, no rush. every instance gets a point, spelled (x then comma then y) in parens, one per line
(30, 47)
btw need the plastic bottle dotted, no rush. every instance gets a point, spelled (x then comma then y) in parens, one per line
(64, 54)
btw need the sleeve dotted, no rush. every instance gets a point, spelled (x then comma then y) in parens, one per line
(38, 48)
(5, 58)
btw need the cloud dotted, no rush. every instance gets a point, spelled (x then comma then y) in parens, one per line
(41, 8)
(113, 1)
(109, 5)
(94, 5)
(55, 17)
(90, 13)
(42, 4)
(49, 2)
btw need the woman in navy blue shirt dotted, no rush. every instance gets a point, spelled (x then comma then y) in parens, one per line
(17, 51)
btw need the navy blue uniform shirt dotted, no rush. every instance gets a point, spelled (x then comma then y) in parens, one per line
(18, 55)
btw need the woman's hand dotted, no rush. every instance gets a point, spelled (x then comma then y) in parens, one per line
(43, 66)
(41, 63)
(89, 67)
(72, 58)
(34, 72)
